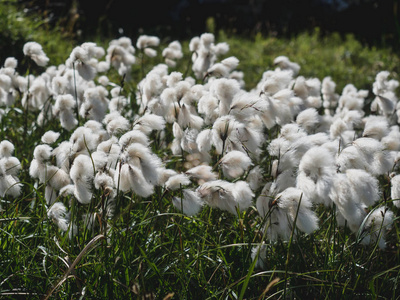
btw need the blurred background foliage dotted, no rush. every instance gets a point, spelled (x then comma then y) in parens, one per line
(349, 40)
(371, 21)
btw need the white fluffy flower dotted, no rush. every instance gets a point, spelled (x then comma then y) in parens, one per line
(226, 195)
(50, 137)
(190, 204)
(59, 215)
(234, 164)
(129, 177)
(177, 181)
(36, 53)
(284, 63)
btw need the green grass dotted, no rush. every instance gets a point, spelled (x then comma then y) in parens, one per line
(17, 28)
(344, 59)
(150, 251)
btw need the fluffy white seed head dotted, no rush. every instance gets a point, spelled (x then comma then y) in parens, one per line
(202, 173)
(395, 190)
(234, 164)
(42, 153)
(292, 201)
(131, 178)
(308, 119)
(284, 63)
(149, 122)
(376, 127)
(133, 136)
(191, 204)
(376, 225)
(203, 141)
(57, 178)
(50, 137)
(365, 186)
(59, 215)
(36, 53)
(177, 181)
(6, 149)
(145, 41)
(10, 62)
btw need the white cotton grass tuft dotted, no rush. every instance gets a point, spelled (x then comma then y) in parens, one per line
(328, 94)
(395, 190)
(12, 165)
(50, 137)
(350, 158)
(57, 178)
(203, 140)
(308, 119)
(226, 196)
(172, 53)
(376, 127)
(9, 183)
(224, 90)
(386, 105)
(133, 136)
(67, 190)
(164, 174)
(6, 149)
(293, 202)
(378, 159)
(64, 109)
(375, 227)
(142, 157)
(190, 204)
(145, 41)
(116, 123)
(128, 177)
(11, 62)
(259, 252)
(105, 182)
(99, 160)
(283, 209)
(177, 181)
(59, 215)
(42, 153)
(149, 122)
(391, 141)
(255, 178)
(187, 119)
(315, 178)
(83, 139)
(120, 55)
(223, 68)
(82, 60)
(95, 104)
(350, 200)
(234, 164)
(82, 174)
(36, 53)
(202, 173)
(284, 63)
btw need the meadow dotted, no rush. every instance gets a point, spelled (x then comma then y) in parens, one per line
(218, 167)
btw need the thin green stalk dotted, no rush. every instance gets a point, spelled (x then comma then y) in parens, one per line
(76, 95)
(289, 246)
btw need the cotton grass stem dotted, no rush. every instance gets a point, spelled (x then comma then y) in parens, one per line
(76, 95)
(289, 246)
(85, 250)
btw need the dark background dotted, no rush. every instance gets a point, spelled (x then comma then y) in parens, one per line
(373, 22)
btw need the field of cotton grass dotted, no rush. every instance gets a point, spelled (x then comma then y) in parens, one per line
(152, 171)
